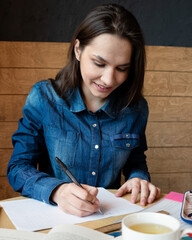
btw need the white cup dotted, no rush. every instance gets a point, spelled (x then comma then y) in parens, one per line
(150, 218)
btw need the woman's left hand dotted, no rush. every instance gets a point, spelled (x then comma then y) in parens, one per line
(135, 185)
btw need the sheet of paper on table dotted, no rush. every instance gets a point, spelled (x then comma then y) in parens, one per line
(171, 203)
(33, 215)
(60, 232)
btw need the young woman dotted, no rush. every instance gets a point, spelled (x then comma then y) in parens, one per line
(92, 116)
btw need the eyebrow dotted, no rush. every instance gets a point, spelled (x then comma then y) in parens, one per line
(103, 60)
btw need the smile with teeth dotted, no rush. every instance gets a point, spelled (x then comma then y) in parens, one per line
(102, 86)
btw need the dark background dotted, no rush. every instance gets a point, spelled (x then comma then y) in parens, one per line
(164, 22)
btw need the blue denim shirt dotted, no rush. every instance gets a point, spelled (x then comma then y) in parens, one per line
(94, 146)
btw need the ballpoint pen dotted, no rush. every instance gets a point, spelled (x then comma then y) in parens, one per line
(69, 174)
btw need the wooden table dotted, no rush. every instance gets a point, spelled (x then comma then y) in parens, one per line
(5, 222)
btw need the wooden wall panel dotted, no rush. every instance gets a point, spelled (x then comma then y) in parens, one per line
(178, 182)
(11, 107)
(6, 131)
(6, 191)
(21, 80)
(172, 109)
(169, 58)
(158, 134)
(169, 134)
(167, 88)
(5, 155)
(169, 160)
(33, 54)
(170, 84)
(54, 55)
(161, 108)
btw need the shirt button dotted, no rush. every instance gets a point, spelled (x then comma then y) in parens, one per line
(128, 145)
(94, 125)
(93, 173)
(96, 146)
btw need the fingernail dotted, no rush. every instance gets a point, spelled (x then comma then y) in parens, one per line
(133, 200)
(142, 202)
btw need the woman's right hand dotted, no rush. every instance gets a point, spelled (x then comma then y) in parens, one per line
(75, 200)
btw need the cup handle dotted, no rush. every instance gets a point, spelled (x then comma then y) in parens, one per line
(185, 231)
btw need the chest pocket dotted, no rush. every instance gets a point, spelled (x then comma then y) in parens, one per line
(62, 144)
(125, 141)
(123, 144)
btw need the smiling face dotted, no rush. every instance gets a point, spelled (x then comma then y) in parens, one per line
(104, 66)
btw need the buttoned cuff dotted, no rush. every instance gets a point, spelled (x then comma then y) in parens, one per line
(43, 192)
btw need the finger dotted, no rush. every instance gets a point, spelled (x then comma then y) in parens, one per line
(85, 206)
(88, 195)
(70, 209)
(154, 193)
(69, 200)
(79, 213)
(158, 193)
(123, 189)
(81, 192)
(91, 194)
(144, 192)
(135, 190)
(77, 206)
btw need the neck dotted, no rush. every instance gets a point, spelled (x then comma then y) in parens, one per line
(94, 105)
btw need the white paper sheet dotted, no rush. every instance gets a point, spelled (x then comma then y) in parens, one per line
(12, 234)
(172, 207)
(33, 215)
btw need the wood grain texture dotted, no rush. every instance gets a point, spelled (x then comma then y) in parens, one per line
(33, 54)
(167, 88)
(158, 160)
(6, 131)
(54, 55)
(159, 134)
(170, 84)
(161, 109)
(6, 191)
(177, 182)
(21, 80)
(169, 134)
(169, 160)
(5, 155)
(170, 109)
(11, 107)
(169, 58)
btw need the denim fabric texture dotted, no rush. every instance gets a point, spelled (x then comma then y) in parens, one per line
(94, 146)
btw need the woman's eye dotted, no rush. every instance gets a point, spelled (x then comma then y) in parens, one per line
(99, 64)
(123, 69)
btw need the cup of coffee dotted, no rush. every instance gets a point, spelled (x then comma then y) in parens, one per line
(150, 226)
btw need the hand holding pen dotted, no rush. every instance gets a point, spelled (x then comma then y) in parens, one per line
(75, 198)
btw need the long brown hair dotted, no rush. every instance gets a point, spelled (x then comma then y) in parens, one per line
(112, 19)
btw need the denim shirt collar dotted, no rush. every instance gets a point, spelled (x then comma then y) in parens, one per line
(77, 105)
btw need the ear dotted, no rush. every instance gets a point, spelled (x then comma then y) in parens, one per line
(77, 49)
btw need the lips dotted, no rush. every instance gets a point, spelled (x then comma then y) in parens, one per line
(102, 88)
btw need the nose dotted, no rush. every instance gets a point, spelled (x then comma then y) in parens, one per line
(108, 76)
